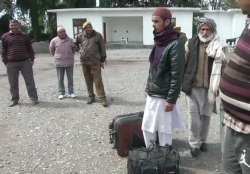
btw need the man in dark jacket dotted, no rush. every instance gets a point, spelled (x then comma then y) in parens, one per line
(161, 112)
(201, 51)
(93, 56)
(235, 96)
(18, 55)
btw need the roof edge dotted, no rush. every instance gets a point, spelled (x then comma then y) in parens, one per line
(119, 9)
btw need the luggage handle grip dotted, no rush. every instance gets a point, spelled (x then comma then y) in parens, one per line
(112, 135)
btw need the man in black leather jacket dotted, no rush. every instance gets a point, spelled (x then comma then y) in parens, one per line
(164, 80)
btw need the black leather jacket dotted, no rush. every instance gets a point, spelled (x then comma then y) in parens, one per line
(164, 80)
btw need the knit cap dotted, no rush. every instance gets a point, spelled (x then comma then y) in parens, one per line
(162, 12)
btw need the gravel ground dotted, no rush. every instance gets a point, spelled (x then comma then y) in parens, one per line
(70, 137)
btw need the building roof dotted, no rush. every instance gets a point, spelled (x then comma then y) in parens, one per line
(222, 11)
(118, 9)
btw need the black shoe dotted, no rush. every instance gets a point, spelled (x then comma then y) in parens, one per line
(195, 152)
(104, 103)
(13, 104)
(203, 147)
(90, 100)
(35, 102)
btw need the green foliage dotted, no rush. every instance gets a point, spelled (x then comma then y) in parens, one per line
(230, 4)
(4, 23)
(37, 13)
(152, 3)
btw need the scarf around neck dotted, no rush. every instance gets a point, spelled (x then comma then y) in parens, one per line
(162, 39)
(166, 36)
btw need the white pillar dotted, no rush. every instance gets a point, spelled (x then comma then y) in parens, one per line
(148, 38)
(97, 3)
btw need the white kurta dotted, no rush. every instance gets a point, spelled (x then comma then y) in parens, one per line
(156, 119)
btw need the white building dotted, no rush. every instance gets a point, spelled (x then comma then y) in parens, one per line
(134, 26)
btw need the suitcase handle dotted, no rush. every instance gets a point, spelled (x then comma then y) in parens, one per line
(112, 135)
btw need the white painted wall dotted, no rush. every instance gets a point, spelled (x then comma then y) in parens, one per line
(138, 20)
(238, 24)
(97, 2)
(116, 28)
(148, 38)
(185, 21)
(140, 27)
(229, 24)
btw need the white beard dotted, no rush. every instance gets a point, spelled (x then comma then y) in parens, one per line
(203, 39)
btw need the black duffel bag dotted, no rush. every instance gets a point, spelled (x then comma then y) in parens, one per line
(155, 160)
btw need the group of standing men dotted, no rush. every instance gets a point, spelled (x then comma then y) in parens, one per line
(196, 68)
(18, 55)
(91, 47)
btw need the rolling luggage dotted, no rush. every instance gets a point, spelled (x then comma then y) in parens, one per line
(125, 132)
(156, 160)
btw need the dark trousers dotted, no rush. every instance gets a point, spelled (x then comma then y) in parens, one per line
(25, 67)
(236, 155)
(92, 74)
(60, 75)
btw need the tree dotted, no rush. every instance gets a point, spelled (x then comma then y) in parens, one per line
(152, 3)
(215, 4)
(36, 9)
(7, 5)
(77, 4)
(230, 4)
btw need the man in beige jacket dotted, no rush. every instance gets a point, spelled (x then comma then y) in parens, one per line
(93, 57)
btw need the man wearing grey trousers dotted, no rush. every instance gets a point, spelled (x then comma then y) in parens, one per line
(18, 55)
(201, 52)
(63, 48)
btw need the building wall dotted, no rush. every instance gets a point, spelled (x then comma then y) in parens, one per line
(229, 24)
(138, 20)
(148, 38)
(126, 27)
(185, 21)
(239, 22)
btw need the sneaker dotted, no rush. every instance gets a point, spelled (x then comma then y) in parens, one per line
(72, 95)
(60, 97)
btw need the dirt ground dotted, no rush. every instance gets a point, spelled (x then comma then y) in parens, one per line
(70, 137)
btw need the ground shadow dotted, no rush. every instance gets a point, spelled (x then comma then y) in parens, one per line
(47, 104)
(207, 161)
(121, 101)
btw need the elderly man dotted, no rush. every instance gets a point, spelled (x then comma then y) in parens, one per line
(93, 56)
(162, 112)
(235, 95)
(18, 55)
(202, 53)
(63, 48)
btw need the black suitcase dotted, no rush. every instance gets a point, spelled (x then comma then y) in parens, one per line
(156, 160)
(125, 132)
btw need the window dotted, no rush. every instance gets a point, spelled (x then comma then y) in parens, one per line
(77, 26)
